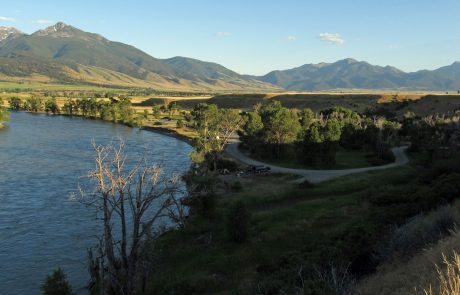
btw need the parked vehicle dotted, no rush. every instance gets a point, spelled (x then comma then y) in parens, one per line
(258, 169)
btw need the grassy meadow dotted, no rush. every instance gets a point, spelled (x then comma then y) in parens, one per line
(291, 227)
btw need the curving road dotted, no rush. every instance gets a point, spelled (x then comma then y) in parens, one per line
(316, 176)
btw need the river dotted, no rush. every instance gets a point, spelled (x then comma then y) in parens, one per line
(42, 161)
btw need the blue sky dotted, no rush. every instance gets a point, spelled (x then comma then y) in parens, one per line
(255, 36)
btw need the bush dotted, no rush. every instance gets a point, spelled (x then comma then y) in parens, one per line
(306, 184)
(227, 164)
(237, 186)
(180, 124)
(238, 223)
(56, 284)
(157, 123)
(448, 186)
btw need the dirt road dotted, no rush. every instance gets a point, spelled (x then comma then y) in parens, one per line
(316, 176)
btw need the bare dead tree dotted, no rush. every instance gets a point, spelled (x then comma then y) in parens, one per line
(131, 201)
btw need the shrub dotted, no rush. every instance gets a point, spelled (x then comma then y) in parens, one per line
(306, 184)
(237, 186)
(238, 223)
(227, 164)
(448, 186)
(180, 124)
(56, 284)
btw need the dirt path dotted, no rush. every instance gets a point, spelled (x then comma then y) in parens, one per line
(316, 176)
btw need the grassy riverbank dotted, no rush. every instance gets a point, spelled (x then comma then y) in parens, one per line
(291, 227)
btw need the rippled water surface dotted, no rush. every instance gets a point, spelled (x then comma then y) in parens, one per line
(41, 160)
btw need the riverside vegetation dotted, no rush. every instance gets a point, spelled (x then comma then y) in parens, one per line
(4, 115)
(268, 235)
(312, 239)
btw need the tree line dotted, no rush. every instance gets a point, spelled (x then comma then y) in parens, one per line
(116, 110)
(273, 131)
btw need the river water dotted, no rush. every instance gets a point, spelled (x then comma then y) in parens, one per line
(42, 160)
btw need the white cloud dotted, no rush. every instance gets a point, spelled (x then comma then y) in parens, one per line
(43, 21)
(222, 34)
(7, 19)
(331, 38)
(291, 38)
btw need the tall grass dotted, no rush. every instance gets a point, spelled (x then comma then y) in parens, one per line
(448, 276)
(412, 253)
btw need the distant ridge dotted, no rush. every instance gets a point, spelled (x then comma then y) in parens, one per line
(63, 53)
(353, 74)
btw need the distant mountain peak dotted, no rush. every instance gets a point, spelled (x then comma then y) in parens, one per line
(8, 32)
(59, 26)
(348, 61)
(63, 30)
(59, 29)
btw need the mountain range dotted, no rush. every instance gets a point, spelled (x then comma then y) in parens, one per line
(65, 54)
(353, 74)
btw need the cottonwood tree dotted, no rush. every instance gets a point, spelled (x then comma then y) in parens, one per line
(281, 125)
(4, 115)
(131, 201)
(251, 132)
(51, 106)
(214, 127)
(15, 103)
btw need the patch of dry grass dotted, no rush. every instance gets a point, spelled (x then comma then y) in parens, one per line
(417, 275)
(448, 276)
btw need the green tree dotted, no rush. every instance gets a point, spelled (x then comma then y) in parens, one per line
(251, 132)
(4, 114)
(70, 108)
(180, 124)
(56, 284)
(310, 143)
(51, 106)
(106, 111)
(307, 117)
(172, 108)
(331, 133)
(156, 112)
(15, 103)
(34, 104)
(281, 126)
(214, 127)
(125, 110)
